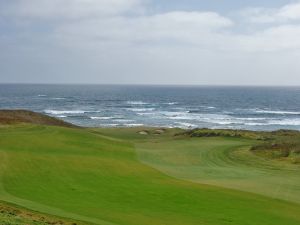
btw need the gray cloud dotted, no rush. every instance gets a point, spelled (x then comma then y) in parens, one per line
(286, 13)
(121, 41)
(67, 9)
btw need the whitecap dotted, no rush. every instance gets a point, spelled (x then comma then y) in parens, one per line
(276, 112)
(140, 109)
(254, 124)
(146, 113)
(170, 103)
(136, 103)
(285, 122)
(61, 116)
(185, 125)
(58, 98)
(133, 125)
(225, 122)
(101, 117)
(172, 114)
(251, 118)
(181, 118)
(58, 112)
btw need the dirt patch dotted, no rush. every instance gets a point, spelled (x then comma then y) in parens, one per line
(143, 132)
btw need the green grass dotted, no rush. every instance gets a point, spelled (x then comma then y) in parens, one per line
(119, 177)
(224, 161)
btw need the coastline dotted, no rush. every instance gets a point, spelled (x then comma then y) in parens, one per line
(252, 108)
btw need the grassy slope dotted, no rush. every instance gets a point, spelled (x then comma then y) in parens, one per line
(219, 161)
(225, 162)
(86, 176)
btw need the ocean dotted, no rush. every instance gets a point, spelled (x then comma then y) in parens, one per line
(252, 108)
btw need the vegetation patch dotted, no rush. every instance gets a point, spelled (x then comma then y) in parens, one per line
(281, 144)
(13, 215)
(225, 133)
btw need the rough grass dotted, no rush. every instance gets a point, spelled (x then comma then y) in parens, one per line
(224, 133)
(97, 176)
(281, 144)
(14, 215)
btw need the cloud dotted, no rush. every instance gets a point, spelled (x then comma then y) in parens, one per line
(70, 9)
(287, 13)
(179, 26)
(91, 24)
(277, 38)
(111, 39)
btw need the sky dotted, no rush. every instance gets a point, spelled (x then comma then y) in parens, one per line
(191, 42)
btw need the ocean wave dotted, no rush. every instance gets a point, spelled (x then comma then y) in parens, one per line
(172, 114)
(58, 112)
(58, 98)
(185, 125)
(170, 103)
(204, 117)
(276, 112)
(140, 109)
(61, 116)
(123, 121)
(101, 117)
(252, 118)
(182, 118)
(254, 124)
(133, 125)
(190, 119)
(146, 113)
(137, 103)
(203, 108)
(226, 123)
(285, 122)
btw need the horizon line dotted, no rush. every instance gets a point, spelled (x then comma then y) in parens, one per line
(145, 84)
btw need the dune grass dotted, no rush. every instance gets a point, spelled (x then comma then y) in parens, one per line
(110, 177)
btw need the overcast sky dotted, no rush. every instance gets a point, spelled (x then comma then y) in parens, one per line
(200, 42)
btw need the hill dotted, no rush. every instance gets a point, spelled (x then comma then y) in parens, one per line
(25, 116)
